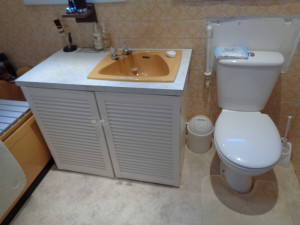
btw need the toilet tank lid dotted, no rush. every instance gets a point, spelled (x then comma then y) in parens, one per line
(260, 58)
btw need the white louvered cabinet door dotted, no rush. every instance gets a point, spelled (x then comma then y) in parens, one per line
(143, 135)
(71, 125)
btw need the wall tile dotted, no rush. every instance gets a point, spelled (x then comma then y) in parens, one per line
(256, 7)
(197, 62)
(128, 30)
(122, 11)
(290, 79)
(164, 11)
(295, 64)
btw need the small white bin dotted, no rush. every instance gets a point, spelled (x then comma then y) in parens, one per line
(200, 129)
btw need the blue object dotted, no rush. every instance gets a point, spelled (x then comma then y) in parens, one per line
(231, 52)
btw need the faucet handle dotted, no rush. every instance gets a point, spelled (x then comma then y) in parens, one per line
(125, 51)
(125, 46)
(113, 51)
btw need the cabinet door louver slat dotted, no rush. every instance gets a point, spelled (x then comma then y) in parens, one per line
(146, 152)
(64, 117)
(64, 112)
(123, 122)
(146, 155)
(146, 172)
(141, 133)
(132, 116)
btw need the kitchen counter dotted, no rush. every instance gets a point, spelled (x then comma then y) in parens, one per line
(70, 70)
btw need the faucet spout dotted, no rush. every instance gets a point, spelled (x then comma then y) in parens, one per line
(126, 51)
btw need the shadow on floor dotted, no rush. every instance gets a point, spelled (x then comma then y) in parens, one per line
(261, 199)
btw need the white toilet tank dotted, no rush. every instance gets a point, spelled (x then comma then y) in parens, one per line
(246, 84)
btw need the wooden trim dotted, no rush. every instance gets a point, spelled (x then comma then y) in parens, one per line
(10, 91)
(15, 126)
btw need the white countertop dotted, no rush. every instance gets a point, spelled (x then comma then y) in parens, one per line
(69, 71)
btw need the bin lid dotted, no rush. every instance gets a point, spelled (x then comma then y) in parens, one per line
(200, 125)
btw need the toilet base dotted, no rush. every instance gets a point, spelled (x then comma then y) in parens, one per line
(241, 183)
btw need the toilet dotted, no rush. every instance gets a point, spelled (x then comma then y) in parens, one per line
(247, 141)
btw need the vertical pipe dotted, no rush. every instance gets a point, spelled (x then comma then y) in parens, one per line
(207, 72)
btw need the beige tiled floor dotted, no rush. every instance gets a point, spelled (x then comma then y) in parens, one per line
(203, 198)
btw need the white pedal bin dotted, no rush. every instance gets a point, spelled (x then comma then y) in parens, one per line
(200, 130)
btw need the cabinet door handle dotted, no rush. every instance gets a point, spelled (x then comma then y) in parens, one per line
(103, 122)
(94, 122)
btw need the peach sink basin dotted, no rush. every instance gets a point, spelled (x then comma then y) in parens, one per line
(141, 65)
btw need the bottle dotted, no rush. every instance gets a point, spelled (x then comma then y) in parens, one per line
(98, 43)
(106, 38)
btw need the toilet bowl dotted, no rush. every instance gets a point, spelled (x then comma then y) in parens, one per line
(248, 144)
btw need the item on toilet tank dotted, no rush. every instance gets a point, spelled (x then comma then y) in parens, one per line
(231, 53)
(200, 129)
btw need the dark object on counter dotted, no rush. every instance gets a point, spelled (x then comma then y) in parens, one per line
(60, 27)
(70, 47)
(7, 71)
(80, 6)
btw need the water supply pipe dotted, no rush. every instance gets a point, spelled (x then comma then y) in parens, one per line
(208, 71)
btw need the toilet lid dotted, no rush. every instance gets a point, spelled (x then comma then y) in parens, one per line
(249, 139)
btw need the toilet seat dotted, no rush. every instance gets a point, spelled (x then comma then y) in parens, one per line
(247, 139)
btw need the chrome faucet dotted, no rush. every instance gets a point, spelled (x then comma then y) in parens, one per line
(114, 53)
(125, 51)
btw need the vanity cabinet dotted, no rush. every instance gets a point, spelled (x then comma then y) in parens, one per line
(133, 136)
(70, 123)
